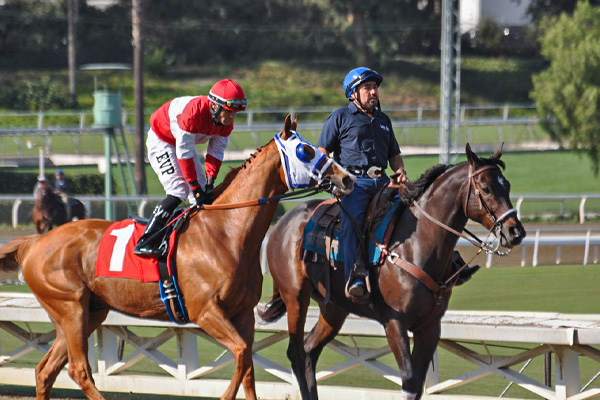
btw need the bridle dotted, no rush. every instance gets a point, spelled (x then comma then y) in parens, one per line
(496, 228)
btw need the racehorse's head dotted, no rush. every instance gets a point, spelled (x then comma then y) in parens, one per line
(304, 164)
(44, 193)
(488, 199)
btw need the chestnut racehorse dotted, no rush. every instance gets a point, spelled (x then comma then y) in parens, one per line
(49, 210)
(217, 263)
(443, 199)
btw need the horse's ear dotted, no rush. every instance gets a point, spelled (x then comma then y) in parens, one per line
(472, 157)
(287, 126)
(498, 153)
(295, 123)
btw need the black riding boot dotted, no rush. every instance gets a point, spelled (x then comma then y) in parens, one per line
(148, 244)
(466, 273)
(357, 288)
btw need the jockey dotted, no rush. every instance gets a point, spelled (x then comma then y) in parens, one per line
(60, 185)
(175, 129)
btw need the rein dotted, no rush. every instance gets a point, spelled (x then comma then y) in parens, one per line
(421, 275)
(299, 194)
(497, 221)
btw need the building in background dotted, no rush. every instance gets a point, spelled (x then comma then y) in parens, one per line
(504, 13)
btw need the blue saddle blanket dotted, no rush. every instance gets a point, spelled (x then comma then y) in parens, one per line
(314, 238)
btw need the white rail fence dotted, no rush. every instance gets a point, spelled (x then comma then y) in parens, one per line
(512, 124)
(537, 240)
(186, 362)
(145, 204)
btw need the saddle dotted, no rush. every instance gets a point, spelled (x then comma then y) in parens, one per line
(322, 233)
(161, 270)
(321, 240)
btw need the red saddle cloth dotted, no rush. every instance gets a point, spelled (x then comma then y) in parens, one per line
(116, 258)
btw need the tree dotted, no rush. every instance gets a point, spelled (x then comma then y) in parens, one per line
(382, 29)
(568, 92)
(538, 9)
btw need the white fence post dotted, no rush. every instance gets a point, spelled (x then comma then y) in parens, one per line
(15, 212)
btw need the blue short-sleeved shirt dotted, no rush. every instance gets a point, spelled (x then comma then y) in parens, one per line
(60, 185)
(357, 140)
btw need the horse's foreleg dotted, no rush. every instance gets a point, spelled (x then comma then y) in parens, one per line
(214, 322)
(397, 336)
(297, 307)
(326, 329)
(425, 344)
(245, 325)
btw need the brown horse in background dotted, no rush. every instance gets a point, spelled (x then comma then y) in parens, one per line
(217, 262)
(49, 210)
(402, 299)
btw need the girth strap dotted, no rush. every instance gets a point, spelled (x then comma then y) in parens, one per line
(412, 269)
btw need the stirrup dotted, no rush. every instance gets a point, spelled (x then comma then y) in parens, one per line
(145, 251)
(146, 247)
(360, 274)
(364, 299)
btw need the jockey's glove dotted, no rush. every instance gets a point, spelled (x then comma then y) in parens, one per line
(199, 194)
(210, 184)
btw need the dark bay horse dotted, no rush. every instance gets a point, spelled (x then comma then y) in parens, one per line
(49, 210)
(444, 197)
(217, 263)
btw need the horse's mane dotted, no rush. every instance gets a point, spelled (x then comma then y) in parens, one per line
(233, 172)
(418, 187)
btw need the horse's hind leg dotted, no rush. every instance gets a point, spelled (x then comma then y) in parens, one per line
(76, 324)
(49, 368)
(326, 329)
(56, 358)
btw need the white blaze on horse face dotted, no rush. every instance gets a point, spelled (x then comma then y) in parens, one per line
(502, 181)
(300, 169)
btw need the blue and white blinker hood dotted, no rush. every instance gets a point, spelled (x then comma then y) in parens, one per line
(300, 168)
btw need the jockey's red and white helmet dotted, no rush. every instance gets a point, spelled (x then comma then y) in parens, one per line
(229, 95)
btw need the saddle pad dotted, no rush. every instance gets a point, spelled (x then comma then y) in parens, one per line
(115, 254)
(313, 239)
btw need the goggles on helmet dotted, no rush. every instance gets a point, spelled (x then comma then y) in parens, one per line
(233, 104)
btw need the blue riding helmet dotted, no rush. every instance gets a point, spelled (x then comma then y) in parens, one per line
(59, 172)
(358, 76)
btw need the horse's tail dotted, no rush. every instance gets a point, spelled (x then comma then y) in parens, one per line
(274, 309)
(13, 252)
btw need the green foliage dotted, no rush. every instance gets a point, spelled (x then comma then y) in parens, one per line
(157, 61)
(39, 94)
(538, 9)
(488, 37)
(568, 92)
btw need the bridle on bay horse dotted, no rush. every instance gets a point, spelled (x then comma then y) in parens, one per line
(421, 275)
(496, 228)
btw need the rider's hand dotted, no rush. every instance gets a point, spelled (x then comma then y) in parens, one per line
(401, 177)
(199, 194)
(210, 184)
